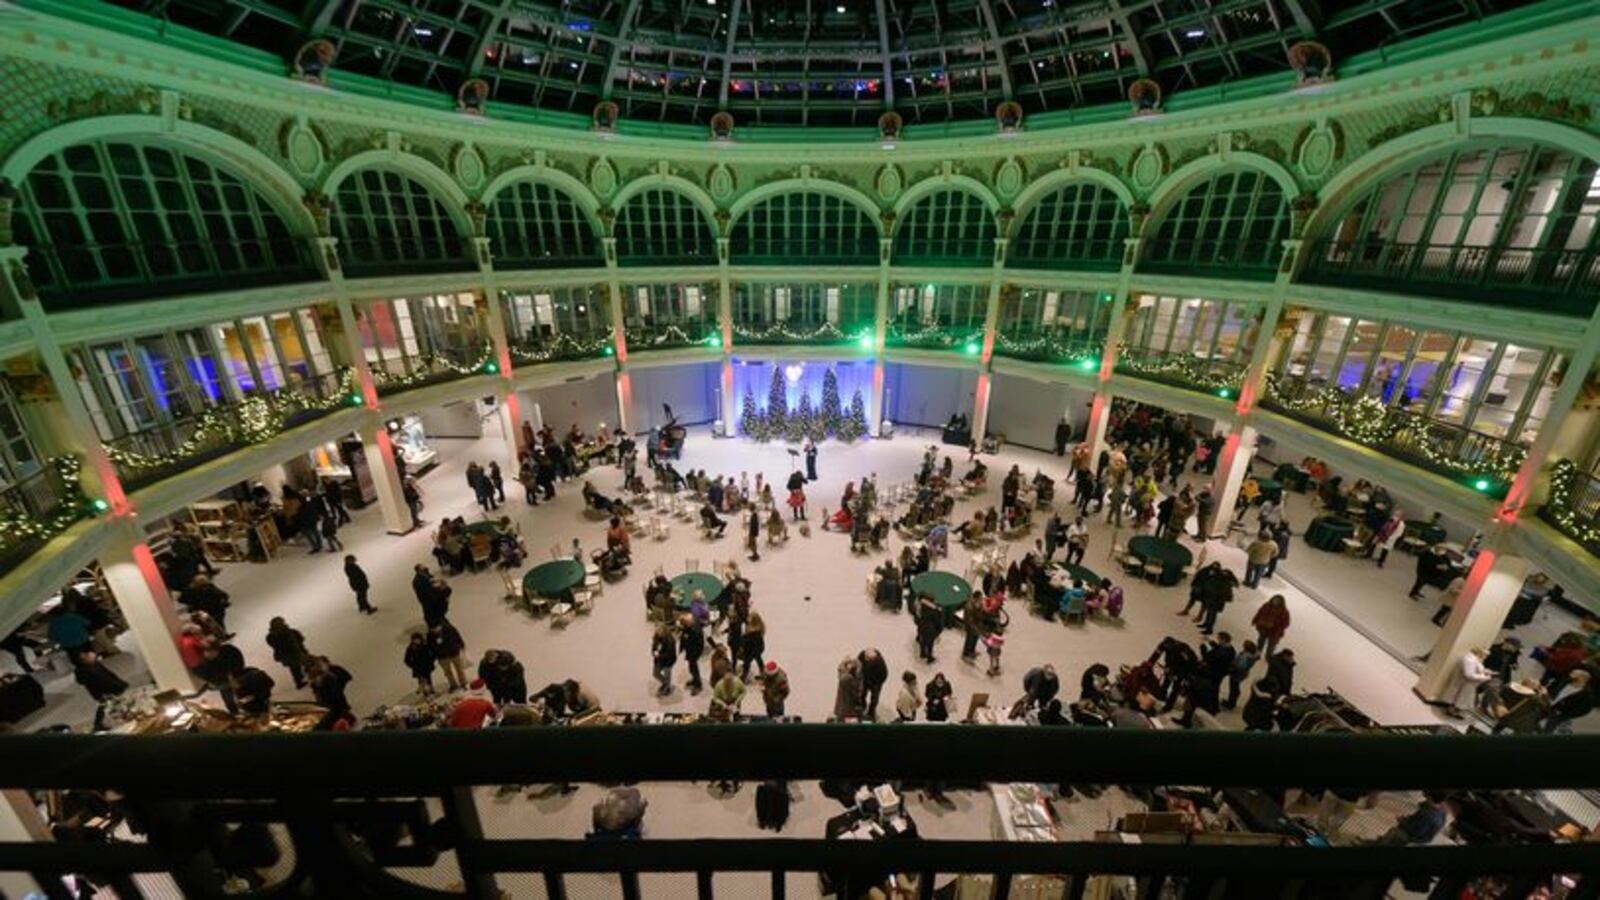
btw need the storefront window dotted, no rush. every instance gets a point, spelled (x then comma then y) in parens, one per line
(18, 459)
(1330, 346)
(1515, 379)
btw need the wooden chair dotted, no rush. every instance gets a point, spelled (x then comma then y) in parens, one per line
(480, 546)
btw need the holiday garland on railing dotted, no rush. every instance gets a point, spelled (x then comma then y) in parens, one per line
(432, 367)
(1560, 511)
(1046, 347)
(563, 346)
(257, 418)
(1182, 369)
(20, 527)
(663, 336)
(933, 337)
(781, 333)
(805, 420)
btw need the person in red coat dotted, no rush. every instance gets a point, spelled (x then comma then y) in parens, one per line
(1270, 623)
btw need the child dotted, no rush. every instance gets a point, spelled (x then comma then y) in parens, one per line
(993, 643)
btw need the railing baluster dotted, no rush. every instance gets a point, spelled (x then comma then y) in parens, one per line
(925, 886)
(780, 884)
(702, 884)
(555, 886)
(462, 811)
(1002, 886)
(630, 885)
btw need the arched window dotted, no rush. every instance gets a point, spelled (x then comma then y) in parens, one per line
(660, 226)
(1475, 221)
(948, 227)
(535, 225)
(1234, 220)
(805, 227)
(119, 220)
(1079, 225)
(389, 222)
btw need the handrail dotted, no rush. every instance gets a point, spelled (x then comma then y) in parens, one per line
(1469, 272)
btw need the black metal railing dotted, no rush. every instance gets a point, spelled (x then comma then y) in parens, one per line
(347, 809)
(1184, 370)
(643, 338)
(1573, 506)
(71, 277)
(369, 257)
(1564, 281)
(37, 507)
(1443, 447)
(1251, 260)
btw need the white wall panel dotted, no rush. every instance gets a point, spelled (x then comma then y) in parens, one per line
(928, 395)
(691, 389)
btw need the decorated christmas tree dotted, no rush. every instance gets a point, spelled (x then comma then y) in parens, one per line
(830, 413)
(853, 425)
(798, 426)
(777, 406)
(750, 422)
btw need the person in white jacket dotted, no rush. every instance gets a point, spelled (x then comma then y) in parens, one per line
(1473, 673)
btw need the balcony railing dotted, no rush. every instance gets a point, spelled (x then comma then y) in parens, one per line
(917, 336)
(1183, 370)
(1565, 281)
(368, 257)
(808, 252)
(164, 449)
(1574, 504)
(1089, 256)
(643, 338)
(746, 333)
(355, 815)
(38, 507)
(1244, 259)
(1443, 447)
(971, 253)
(506, 258)
(71, 277)
(1051, 348)
(441, 365)
(562, 347)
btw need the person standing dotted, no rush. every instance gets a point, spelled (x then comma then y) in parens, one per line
(930, 621)
(1218, 593)
(333, 499)
(811, 461)
(529, 476)
(419, 660)
(663, 656)
(330, 533)
(1271, 621)
(16, 643)
(101, 683)
(692, 644)
(753, 646)
(1429, 564)
(847, 698)
(1116, 502)
(874, 674)
(909, 701)
(497, 481)
(774, 689)
(1280, 537)
(357, 577)
(288, 648)
(938, 694)
(1077, 541)
(753, 533)
(413, 497)
(1258, 555)
(726, 696)
(1063, 435)
(447, 646)
(1243, 662)
(974, 621)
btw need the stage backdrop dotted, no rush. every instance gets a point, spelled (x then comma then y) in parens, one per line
(754, 377)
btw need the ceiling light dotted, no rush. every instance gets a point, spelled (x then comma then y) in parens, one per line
(1195, 33)
(839, 8)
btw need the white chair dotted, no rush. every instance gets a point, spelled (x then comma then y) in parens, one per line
(1153, 570)
(561, 615)
(582, 602)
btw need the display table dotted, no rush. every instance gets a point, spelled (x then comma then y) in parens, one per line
(1424, 531)
(486, 526)
(553, 579)
(685, 585)
(948, 590)
(1172, 556)
(1271, 489)
(1328, 533)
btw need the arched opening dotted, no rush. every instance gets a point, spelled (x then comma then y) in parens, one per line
(127, 219)
(1513, 222)
(534, 225)
(805, 227)
(948, 227)
(1080, 225)
(660, 226)
(388, 222)
(1235, 220)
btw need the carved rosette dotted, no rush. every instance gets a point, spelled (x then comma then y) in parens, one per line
(313, 60)
(472, 96)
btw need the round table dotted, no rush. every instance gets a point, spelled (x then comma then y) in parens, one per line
(684, 586)
(1424, 531)
(1172, 555)
(1088, 578)
(486, 526)
(552, 579)
(1292, 475)
(1271, 489)
(948, 590)
(1328, 533)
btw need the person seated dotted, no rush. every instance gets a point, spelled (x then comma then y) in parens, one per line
(967, 532)
(593, 499)
(991, 521)
(841, 519)
(860, 533)
(889, 590)
(710, 521)
(657, 593)
(777, 530)
(880, 533)
(1106, 598)
(1073, 597)
(612, 562)
(1044, 488)
(977, 476)
(635, 485)
(937, 541)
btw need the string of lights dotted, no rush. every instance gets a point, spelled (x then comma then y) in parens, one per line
(1562, 510)
(564, 347)
(431, 367)
(1186, 370)
(19, 526)
(781, 333)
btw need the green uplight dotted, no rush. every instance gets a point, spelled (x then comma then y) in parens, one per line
(1482, 484)
(491, 368)
(716, 341)
(355, 400)
(99, 505)
(610, 350)
(865, 342)
(1224, 393)
(1088, 365)
(972, 349)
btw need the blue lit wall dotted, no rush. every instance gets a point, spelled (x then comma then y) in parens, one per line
(755, 377)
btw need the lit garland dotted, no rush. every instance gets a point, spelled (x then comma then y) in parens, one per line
(564, 347)
(257, 418)
(1045, 347)
(934, 337)
(1560, 510)
(20, 527)
(1184, 370)
(1367, 420)
(780, 333)
(663, 337)
(433, 368)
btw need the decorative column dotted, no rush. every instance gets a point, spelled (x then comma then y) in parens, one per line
(135, 581)
(1239, 448)
(880, 330)
(1100, 406)
(727, 411)
(505, 375)
(624, 386)
(980, 399)
(375, 443)
(1492, 585)
(1529, 484)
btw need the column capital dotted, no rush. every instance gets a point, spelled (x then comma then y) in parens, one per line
(482, 252)
(326, 249)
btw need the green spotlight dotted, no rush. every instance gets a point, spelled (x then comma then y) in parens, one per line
(972, 349)
(491, 367)
(610, 350)
(355, 400)
(865, 342)
(716, 340)
(1482, 484)
(99, 505)
(1224, 393)
(1088, 365)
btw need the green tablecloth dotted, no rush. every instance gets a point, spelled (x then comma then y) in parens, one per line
(552, 579)
(1424, 531)
(1293, 477)
(1271, 489)
(491, 528)
(1328, 533)
(1090, 579)
(1172, 555)
(684, 586)
(947, 590)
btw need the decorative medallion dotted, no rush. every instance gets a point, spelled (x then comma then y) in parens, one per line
(720, 182)
(472, 96)
(602, 177)
(605, 116)
(722, 126)
(1148, 167)
(1319, 148)
(312, 61)
(1311, 62)
(1008, 116)
(889, 125)
(303, 150)
(890, 182)
(1145, 95)
(1008, 178)
(468, 166)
